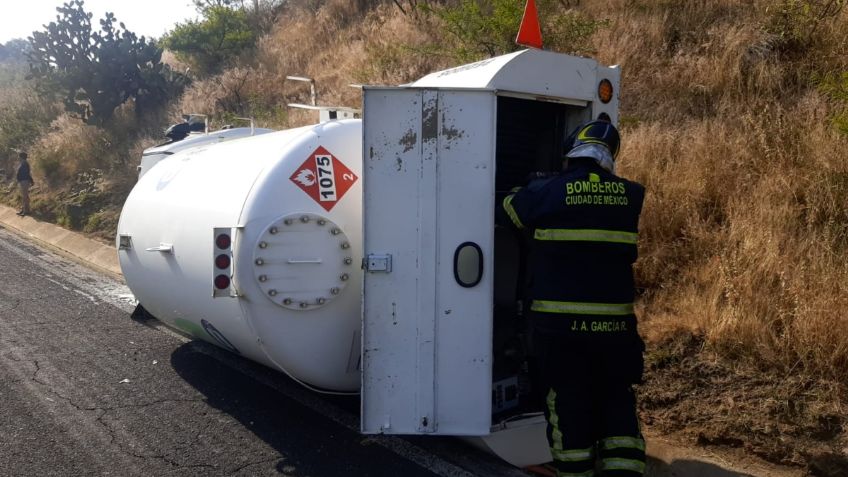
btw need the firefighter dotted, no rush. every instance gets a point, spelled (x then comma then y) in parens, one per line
(584, 225)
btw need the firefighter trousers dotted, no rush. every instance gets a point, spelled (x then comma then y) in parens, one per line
(590, 404)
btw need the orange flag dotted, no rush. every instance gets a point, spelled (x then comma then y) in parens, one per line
(530, 33)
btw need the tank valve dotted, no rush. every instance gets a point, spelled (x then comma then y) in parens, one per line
(263, 278)
(273, 230)
(335, 291)
(259, 262)
(272, 292)
(263, 245)
(345, 245)
(348, 260)
(304, 219)
(344, 277)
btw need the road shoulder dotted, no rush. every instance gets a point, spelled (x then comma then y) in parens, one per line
(90, 252)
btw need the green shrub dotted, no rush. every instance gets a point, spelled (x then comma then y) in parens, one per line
(23, 118)
(103, 223)
(835, 86)
(214, 42)
(94, 71)
(797, 22)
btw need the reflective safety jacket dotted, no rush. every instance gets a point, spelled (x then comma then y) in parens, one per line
(584, 225)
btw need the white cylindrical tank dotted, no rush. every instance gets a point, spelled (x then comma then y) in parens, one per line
(291, 202)
(153, 155)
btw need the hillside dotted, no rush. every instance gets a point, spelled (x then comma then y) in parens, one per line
(734, 116)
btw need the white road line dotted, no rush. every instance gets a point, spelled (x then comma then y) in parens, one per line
(84, 281)
(61, 285)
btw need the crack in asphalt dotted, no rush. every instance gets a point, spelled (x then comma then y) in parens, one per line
(277, 458)
(114, 438)
(115, 441)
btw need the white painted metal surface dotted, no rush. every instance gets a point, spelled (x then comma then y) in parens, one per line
(521, 442)
(152, 155)
(252, 186)
(429, 152)
(427, 349)
(535, 74)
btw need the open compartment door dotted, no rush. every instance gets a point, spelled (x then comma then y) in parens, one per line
(428, 223)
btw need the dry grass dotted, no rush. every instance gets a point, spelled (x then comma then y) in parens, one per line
(744, 229)
(745, 226)
(70, 147)
(336, 43)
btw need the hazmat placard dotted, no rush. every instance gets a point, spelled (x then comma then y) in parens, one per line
(324, 178)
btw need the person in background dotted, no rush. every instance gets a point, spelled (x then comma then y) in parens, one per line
(24, 182)
(584, 223)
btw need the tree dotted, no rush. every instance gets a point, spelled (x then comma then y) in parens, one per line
(14, 51)
(96, 71)
(211, 44)
(13, 65)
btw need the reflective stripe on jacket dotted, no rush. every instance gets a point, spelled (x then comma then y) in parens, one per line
(584, 226)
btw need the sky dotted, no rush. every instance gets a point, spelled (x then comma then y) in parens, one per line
(150, 18)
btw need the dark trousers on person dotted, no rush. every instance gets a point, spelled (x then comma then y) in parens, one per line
(590, 405)
(24, 186)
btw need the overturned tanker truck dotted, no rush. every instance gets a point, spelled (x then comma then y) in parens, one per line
(361, 256)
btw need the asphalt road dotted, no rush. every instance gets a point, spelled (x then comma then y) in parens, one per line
(87, 390)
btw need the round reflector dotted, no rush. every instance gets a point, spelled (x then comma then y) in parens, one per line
(222, 282)
(605, 91)
(222, 261)
(223, 241)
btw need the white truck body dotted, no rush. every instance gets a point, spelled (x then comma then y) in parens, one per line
(409, 193)
(152, 155)
(249, 187)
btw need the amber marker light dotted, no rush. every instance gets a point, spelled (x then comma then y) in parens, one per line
(605, 91)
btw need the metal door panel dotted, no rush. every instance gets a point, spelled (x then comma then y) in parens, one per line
(428, 187)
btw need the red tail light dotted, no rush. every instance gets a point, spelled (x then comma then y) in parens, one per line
(222, 282)
(222, 261)
(223, 241)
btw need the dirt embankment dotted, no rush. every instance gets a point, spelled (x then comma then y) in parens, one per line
(696, 398)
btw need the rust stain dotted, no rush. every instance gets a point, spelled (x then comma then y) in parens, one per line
(408, 141)
(429, 121)
(452, 133)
